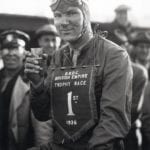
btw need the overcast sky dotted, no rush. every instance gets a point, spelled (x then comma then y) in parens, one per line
(101, 10)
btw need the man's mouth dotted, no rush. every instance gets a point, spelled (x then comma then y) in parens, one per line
(66, 30)
(9, 59)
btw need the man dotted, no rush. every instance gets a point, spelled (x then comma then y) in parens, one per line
(47, 38)
(121, 24)
(141, 51)
(88, 91)
(14, 93)
(122, 16)
(140, 80)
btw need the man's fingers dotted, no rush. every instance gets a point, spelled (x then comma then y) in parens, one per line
(32, 66)
(31, 71)
(32, 60)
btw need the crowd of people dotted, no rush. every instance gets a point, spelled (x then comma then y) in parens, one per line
(78, 89)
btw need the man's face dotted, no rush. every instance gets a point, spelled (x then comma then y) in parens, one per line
(143, 51)
(122, 17)
(49, 42)
(13, 57)
(69, 22)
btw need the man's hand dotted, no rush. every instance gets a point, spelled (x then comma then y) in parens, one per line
(33, 68)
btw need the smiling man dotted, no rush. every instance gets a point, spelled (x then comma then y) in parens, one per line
(14, 93)
(141, 49)
(91, 112)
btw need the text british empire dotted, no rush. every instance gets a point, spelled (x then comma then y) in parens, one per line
(79, 79)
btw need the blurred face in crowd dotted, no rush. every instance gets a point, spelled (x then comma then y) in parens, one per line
(122, 17)
(13, 57)
(49, 42)
(69, 22)
(143, 52)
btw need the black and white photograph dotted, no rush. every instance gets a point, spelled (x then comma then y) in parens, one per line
(74, 75)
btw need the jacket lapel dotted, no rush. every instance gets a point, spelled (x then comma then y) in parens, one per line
(19, 91)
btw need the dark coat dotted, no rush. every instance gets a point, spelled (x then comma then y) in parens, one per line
(114, 78)
(19, 116)
(140, 79)
(146, 119)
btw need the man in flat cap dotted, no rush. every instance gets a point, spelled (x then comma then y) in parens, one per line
(48, 39)
(87, 93)
(120, 23)
(122, 16)
(14, 93)
(141, 42)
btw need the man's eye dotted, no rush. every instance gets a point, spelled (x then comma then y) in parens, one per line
(71, 13)
(53, 40)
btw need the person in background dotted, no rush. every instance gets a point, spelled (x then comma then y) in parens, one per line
(141, 55)
(120, 24)
(141, 50)
(47, 38)
(87, 93)
(133, 140)
(121, 18)
(15, 120)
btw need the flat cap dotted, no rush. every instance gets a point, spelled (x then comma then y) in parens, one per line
(122, 8)
(46, 30)
(140, 37)
(14, 38)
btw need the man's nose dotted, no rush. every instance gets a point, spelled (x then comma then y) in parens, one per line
(51, 44)
(64, 20)
(11, 52)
